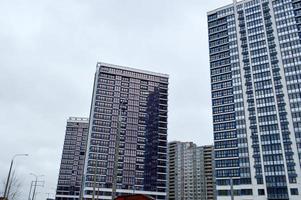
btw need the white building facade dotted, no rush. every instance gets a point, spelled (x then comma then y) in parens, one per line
(255, 63)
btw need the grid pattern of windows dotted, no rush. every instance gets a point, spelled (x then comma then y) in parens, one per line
(142, 160)
(190, 172)
(73, 156)
(255, 63)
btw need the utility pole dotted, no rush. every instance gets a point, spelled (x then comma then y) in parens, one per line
(134, 185)
(122, 108)
(35, 184)
(97, 196)
(82, 187)
(48, 194)
(231, 186)
(35, 187)
(206, 195)
(9, 173)
(94, 179)
(54, 190)
(30, 190)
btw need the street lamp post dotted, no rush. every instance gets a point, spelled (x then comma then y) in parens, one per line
(122, 108)
(9, 173)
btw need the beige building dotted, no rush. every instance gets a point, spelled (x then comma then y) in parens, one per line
(190, 172)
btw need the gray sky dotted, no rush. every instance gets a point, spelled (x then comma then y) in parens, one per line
(48, 55)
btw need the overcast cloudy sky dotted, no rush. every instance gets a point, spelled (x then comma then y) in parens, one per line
(48, 55)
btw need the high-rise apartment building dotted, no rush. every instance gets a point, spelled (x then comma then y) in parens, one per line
(208, 156)
(172, 165)
(73, 159)
(255, 63)
(138, 100)
(190, 172)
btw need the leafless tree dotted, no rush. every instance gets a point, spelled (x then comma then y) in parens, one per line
(14, 187)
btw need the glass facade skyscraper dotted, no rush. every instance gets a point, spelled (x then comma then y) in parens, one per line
(255, 63)
(73, 159)
(142, 158)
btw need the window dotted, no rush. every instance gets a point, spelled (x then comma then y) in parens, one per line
(223, 193)
(294, 191)
(260, 192)
(244, 192)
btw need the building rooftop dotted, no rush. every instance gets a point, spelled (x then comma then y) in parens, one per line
(131, 69)
(78, 119)
(226, 6)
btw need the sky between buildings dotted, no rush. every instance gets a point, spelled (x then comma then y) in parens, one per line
(48, 55)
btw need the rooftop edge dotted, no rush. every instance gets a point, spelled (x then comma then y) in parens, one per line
(227, 6)
(132, 69)
(78, 119)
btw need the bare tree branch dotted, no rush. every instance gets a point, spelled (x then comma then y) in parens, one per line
(14, 187)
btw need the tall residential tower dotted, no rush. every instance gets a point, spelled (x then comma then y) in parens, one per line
(191, 171)
(131, 103)
(255, 63)
(73, 157)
